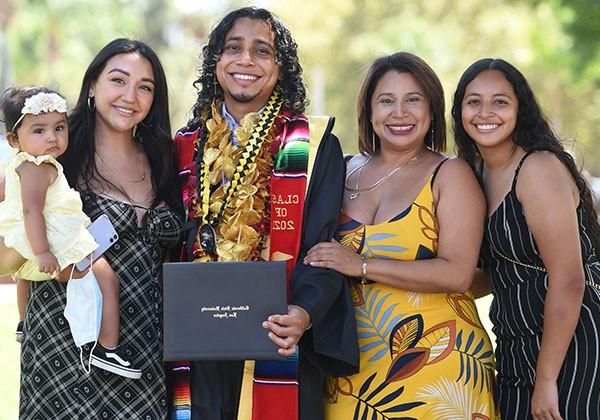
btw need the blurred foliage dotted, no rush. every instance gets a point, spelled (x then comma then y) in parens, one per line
(553, 42)
(581, 20)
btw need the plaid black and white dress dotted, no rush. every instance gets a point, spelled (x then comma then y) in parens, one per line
(53, 382)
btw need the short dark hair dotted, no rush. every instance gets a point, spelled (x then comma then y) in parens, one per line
(290, 83)
(154, 133)
(402, 62)
(532, 131)
(12, 102)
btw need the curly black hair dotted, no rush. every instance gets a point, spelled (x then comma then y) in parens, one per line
(532, 132)
(290, 83)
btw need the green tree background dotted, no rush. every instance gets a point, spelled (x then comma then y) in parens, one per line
(555, 43)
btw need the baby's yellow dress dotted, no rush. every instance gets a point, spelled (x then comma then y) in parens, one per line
(66, 223)
(422, 355)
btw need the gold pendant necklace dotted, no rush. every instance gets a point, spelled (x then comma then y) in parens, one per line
(354, 195)
(355, 192)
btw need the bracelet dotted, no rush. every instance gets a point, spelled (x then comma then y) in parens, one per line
(363, 276)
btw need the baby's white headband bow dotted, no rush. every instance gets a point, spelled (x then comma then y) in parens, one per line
(41, 102)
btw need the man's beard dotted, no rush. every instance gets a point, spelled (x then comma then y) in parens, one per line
(243, 98)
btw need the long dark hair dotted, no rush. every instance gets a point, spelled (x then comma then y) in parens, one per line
(290, 83)
(154, 133)
(402, 62)
(532, 132)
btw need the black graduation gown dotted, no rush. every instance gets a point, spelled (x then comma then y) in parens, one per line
(330, 346)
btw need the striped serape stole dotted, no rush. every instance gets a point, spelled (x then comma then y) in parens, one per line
(182, 397)
(270, 387)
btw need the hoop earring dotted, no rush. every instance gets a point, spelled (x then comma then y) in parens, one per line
(91, 103)
(135, 132)
(147, 125)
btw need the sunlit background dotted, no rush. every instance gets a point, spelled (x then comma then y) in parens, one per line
(555, 43)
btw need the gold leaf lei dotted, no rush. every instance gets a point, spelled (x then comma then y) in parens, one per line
(244, 224)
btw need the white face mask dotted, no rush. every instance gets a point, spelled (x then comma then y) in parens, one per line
(84, 309)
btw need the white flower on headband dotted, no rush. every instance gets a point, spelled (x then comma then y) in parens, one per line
(44, 102)
(41, 102)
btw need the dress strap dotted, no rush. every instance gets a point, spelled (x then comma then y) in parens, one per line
(437, 168)
(518, 168)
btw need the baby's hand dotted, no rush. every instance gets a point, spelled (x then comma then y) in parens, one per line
(47, 263)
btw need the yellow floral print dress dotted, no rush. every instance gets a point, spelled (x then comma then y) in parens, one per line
(422, 355)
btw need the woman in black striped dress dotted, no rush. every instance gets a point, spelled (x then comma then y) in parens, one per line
(539, 248)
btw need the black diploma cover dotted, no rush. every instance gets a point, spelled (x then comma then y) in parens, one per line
(215, 310)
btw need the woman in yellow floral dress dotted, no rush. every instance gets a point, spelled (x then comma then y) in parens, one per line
(410, 232)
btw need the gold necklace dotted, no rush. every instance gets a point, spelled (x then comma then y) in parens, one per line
(355, 192)
(137, 181)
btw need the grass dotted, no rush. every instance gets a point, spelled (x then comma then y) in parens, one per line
(9, 354)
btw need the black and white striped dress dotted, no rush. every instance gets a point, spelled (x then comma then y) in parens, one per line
(517, 314)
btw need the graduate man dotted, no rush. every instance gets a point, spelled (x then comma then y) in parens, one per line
(261, 181)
